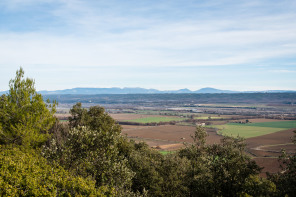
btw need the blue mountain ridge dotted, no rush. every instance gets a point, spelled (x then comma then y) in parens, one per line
(137, 90)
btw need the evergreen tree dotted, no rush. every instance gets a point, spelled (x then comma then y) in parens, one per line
(24, 116)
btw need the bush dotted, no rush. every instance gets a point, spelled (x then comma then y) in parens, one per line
(24, 172)
(146, 164)
(90, 148)
(222, 169)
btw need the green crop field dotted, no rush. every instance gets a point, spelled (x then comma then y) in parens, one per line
(165, 152)
(156, 119)
(254, 129)
(276, 124)
(64, 120)
(245, 131)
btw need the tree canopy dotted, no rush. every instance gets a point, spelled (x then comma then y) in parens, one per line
(25, 118)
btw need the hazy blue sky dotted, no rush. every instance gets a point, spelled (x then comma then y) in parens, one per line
(172, 44)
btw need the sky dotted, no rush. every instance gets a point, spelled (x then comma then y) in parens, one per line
(166, 45)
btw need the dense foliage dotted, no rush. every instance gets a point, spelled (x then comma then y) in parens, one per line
(223, 169)
(91, 152)
(24, 117)
(39, 156)
(26, 173)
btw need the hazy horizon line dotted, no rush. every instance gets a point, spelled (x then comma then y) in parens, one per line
(159, 89)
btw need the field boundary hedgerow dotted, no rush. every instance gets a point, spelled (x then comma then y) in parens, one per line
(156, 119)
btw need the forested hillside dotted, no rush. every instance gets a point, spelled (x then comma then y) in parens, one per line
(41, 156)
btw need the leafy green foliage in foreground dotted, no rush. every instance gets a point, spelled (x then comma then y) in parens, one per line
(89, 157)
(24, 117)
(24, 172)
(223, 170)
(90, 148)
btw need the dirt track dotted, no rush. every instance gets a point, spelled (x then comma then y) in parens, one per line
(259, 145)
(267, 148)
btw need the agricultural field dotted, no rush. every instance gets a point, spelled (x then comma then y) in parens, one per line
(266, 149)
(130, 116)
(156, 119)
(142, 118)
(244, 131)
(260, 120)
(165, 137)
(249, 130)
(165, 152)
(62, 116)
(274, 124)
(158, 112)
(265, 137)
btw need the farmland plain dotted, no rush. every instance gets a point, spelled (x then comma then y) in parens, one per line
(271, 120)
(248, 130)
(274, 124)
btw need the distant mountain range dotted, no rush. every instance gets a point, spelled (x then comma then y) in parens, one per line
(149, 91)
(132, 91)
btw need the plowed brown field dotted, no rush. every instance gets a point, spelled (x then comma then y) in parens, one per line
(267, 148)
(165, 134)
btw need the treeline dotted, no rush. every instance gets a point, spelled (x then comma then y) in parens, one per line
(89, 157)
(148, 123)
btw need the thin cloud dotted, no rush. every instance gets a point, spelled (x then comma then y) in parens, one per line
(282, 71)
(146, 34)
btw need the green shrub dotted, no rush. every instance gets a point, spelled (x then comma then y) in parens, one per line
(26, 173)
(24, 116)
(222, 169)
(90, 148)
